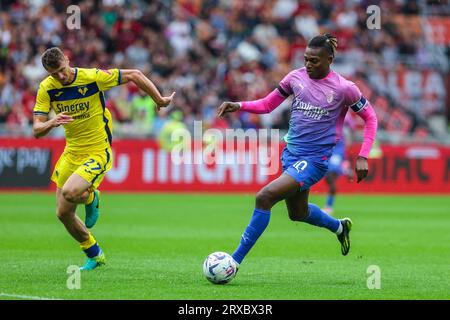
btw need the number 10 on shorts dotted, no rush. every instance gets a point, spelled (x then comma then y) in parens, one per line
(300, 165)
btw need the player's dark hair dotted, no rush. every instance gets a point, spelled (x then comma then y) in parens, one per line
(52, 57)
(327, 41)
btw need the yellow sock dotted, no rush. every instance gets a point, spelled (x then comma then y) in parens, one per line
(88, 243)
(90, 198)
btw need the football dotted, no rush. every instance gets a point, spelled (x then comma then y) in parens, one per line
(219, 268)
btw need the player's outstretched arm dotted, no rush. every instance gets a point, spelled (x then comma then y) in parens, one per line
(264, 105)
(146, 85)
(42, 125)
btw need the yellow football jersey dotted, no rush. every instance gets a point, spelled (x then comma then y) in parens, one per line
(82, 99)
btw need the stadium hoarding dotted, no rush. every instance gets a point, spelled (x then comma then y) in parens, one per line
(142, 166)
(25, 166)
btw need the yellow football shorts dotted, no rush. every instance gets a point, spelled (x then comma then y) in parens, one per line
(91, 167)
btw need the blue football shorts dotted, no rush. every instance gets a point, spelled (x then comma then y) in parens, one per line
(306, 170)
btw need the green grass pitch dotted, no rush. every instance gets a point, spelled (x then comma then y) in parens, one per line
(156, 243)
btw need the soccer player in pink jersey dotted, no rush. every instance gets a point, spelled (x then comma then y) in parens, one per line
(322, 98)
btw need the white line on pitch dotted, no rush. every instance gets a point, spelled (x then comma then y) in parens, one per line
(19, 296)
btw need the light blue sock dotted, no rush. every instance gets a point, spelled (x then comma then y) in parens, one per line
(255, 228)
(319, 218)
(330, 201)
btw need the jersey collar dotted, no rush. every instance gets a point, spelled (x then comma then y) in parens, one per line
(74, 77)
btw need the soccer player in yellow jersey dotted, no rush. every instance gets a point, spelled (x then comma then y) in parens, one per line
(76, 96)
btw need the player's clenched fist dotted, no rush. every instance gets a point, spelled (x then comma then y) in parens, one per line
(361, 168)
(227, 107)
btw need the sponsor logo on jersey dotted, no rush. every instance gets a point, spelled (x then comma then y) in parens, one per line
(309, 110)
(75, 107)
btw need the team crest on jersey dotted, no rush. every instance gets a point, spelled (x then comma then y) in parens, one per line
(330, 96)
(82, 90)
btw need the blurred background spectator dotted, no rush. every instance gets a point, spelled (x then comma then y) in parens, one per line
(209, 51)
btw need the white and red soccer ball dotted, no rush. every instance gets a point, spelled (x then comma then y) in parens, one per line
(219, 268)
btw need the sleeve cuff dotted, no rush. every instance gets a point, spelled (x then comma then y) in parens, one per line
(40, 113)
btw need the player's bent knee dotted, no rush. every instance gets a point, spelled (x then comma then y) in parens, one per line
(265, 199)
(70, 195)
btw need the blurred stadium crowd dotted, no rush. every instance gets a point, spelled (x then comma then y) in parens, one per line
(209, 51)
